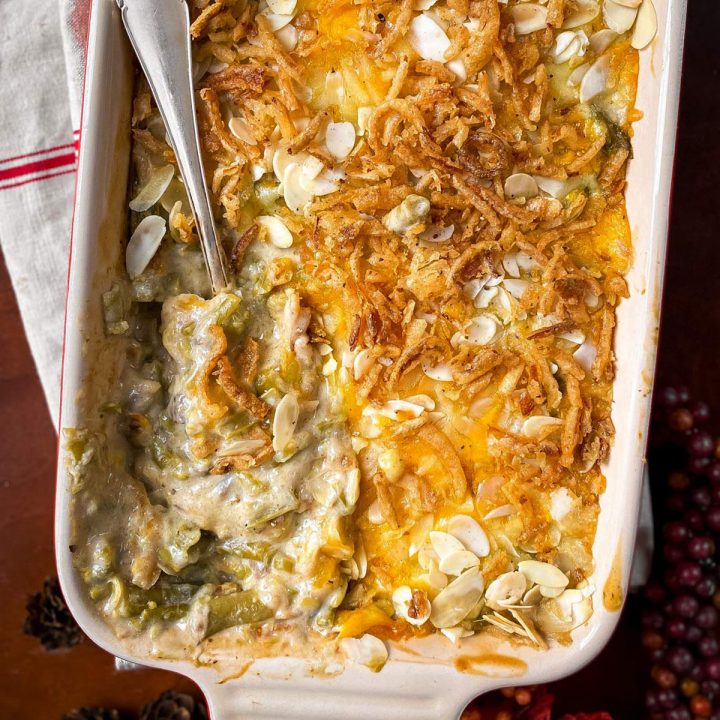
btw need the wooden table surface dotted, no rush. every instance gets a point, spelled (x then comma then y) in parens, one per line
(42, 685)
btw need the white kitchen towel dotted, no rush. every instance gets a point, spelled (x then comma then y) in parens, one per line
(42, 57)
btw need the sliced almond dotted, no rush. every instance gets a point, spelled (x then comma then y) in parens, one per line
(282, 7)
(568, 598)
(154, 188)
(411, 605)
(421, 399)
(469, 532)
(554, 535)
(453, 604)
(366, 650)
(595, 80)
(516, 288)
(295, 195)
(485, 297)
(434, 579)
(504, 542)
(568, 45)
(585, 13)
(619, 18)
(563, 614)
(361, 558)
(500, 512)
(602, 40)
(175, 191)
(561, 502)
(502, 623)
(363, 361)
(257, 171)
(550, 592)
(551, 186)
(427, 556)
(585, 355)
(441, 373)
(525, 262)
(437, 234)
(506, 589)
(374, 514)
(528, 626)
(240, 129)
(288, 37)
(511, 266)
(457, 67)
(645, 26)
(340, 139)
(281, 158)
(520, 185)
(577, 337)
(582, 612)
(444, 544)
(455, 634)
(528, 18)
(284, 421)
(277, 21)
(334, 88)
(474, 286)
(456, 562)
(176, 209)
(503, 305)
(329, 366)
(310, 167)
(576, 76)
(363, 118)
(143, 244)
(542, 573)
(419, 533)
(427, 38)
(324, 184)
(533, 596)
(484, 330)
(277, 231)
(540, 426)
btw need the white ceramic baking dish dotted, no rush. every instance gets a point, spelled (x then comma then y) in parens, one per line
(421, 682)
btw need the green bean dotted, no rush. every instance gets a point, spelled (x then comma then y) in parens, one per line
(237, 608)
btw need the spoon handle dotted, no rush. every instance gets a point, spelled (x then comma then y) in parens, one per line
(159, 31)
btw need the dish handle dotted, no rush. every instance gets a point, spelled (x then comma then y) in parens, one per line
(237, 701)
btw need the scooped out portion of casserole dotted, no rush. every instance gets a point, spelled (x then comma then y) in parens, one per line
(392, 423)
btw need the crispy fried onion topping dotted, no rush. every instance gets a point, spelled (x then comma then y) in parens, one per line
(239, 393)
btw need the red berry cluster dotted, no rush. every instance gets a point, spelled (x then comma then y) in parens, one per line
(531, 702)
(680, 618)
(534, 702)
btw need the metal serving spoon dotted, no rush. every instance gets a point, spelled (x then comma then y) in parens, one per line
(159, 31)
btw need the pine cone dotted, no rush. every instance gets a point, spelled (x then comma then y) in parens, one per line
(173, 705)
(49, 618)
(92, 713)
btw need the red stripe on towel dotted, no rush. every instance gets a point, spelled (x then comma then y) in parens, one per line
(37, 179)
(4, 161)
(35, 166)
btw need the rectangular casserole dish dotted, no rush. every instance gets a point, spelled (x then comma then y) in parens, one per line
(429, 679)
